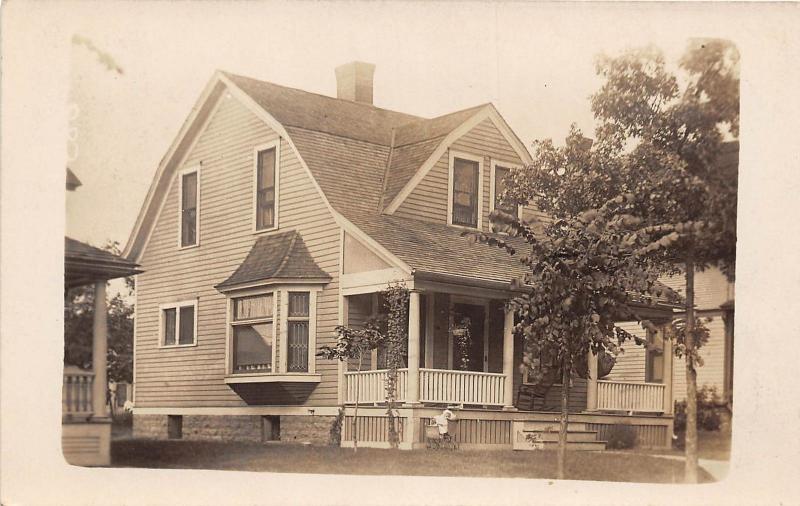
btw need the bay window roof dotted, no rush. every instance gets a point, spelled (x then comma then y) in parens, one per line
(273, 259)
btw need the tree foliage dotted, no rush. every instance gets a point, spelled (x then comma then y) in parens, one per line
(582, 276)
(660, 145)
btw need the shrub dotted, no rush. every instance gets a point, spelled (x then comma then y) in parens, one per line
(708, 417)
(621, 436)
(335, 438)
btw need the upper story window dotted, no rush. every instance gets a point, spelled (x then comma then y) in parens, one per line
(266, 186)
(190, 199)
(179, 324)
(499, 173)
(253, 332)
(465, 190)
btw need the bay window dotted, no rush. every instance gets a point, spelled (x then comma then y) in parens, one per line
(298, 332)
(252, 334)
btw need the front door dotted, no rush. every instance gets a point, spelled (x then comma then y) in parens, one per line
(468, 350)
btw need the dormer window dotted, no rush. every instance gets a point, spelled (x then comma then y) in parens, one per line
(501, 170)
(465, 190)
(266, 187)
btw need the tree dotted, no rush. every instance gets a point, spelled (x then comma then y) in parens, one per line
(388, 330)
(671, 128)
(353, 343)
(659, 138)
(78, 323)
(582, 275)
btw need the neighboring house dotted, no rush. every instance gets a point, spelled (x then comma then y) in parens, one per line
(86, 424)
(714, 296)
(278, 214)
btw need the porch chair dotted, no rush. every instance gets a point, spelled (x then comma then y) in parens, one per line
(527, 395)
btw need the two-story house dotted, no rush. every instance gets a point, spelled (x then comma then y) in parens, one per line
(278, 214)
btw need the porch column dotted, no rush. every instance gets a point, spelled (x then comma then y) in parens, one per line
(508, 360)
(591, 383)
(412, 391)
(341, 391)
(99, 351)
(667, 357)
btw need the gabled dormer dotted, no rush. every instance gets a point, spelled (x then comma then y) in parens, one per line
(460, 176)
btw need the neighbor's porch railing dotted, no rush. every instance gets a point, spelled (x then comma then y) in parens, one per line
(630, 396)
(371, 386)
(76, 396)
(461, 387)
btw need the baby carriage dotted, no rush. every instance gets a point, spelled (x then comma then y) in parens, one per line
(437, 440)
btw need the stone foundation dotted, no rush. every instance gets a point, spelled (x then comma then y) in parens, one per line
(250, 428)
(150, 426)
(306, 428)
(222, 428)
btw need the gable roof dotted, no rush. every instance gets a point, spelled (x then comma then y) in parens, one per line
(277, 257)
(311, 111)
(359, 157)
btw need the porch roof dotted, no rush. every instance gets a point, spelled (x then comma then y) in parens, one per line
(276, 257)
(85, 264)
(437, 248)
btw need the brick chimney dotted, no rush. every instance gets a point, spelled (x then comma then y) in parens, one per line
(354, 81)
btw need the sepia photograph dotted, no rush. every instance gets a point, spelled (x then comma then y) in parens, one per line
(377, 240)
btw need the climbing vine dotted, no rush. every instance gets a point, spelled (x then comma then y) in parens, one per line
(463, 340)
(396, 305)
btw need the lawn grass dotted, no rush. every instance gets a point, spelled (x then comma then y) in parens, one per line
(287, 458)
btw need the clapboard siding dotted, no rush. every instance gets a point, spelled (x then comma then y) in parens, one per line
(428, 200)
(630, 365)
(712, 372)
(194, 376)
(711, 287)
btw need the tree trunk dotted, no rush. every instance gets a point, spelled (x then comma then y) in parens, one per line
(355, 410)
(562, 432)
(691, 379)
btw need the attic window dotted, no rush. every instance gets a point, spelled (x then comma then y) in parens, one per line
(500, 173)
(465, 190)
(190, 190)
(266, 187)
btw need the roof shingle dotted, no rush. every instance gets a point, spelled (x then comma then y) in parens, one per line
(276, 257)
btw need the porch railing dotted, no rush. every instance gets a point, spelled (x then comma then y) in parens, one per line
(630, 396)
(76, 396)
(371, 386)
(439, 386)
(457, 387)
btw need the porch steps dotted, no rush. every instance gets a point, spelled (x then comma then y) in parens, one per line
(545, 436)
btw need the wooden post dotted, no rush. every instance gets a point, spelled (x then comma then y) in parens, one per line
(99, 351)
(508, 360)
(344, 308)
(430, 318)
(667, 354)
(591, 385)
(412, 392)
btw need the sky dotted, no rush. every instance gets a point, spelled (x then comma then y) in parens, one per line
(534, 62)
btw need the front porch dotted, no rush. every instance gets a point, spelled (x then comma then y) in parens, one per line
(484, 380)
